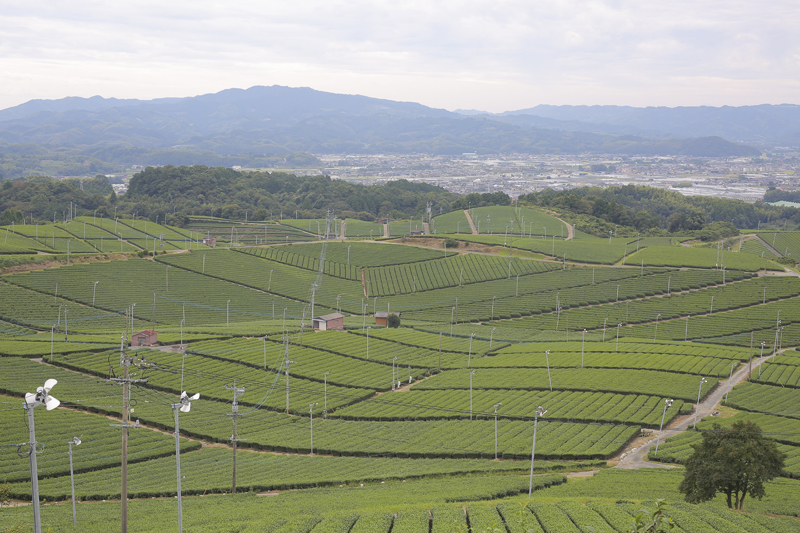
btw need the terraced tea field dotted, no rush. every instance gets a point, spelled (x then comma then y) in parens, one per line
(414, 414)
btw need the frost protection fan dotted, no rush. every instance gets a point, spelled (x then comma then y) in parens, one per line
(42, 396)
(186, 401)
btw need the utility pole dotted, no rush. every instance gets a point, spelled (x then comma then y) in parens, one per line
(313, 295)
(440, 351)
(470, 393)
(288, 362)
(125, 380)
(325, 407)
(235, 437)
(540, 411)
(311, 420)
(495, 429)
(76, 441)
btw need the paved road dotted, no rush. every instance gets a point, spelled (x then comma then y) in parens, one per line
(636, 457)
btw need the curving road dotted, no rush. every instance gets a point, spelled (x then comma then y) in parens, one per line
(636, 457)
(570, 228)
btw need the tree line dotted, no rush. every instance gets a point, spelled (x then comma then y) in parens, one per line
(222, 192)
(654, 210)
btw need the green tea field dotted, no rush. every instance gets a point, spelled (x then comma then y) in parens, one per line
(557, 373)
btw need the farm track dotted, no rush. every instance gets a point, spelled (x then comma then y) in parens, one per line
(471, 223)
(634, 456)
(570, 229)
(364, 283)
(766, 245)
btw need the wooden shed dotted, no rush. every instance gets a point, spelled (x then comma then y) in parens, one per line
(326, 322)
(146, 337)
(382, 318)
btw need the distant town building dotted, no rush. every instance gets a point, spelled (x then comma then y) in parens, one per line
(326, 322)
(209, 240)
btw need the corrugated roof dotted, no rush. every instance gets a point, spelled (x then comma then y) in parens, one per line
(332, 316)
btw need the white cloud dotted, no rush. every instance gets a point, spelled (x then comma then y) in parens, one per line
(493, 55)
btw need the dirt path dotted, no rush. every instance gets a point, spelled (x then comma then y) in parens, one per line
(766, 244)
(471, 223)
(570, 229)
(583, 473)
(635, 455)
(364, 283)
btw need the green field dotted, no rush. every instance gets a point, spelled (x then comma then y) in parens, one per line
(406, 422)
(522, 222)
(699, 258)
(589, 250)
(452, 222)
(786, 243)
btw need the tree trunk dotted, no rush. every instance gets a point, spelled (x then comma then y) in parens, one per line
(730, 503)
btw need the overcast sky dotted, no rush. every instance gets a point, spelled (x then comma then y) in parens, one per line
(490, 55)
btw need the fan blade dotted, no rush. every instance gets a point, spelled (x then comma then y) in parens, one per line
(195, 397)
(185, 408)
(51, 403)
(49, 384)
(30, 398)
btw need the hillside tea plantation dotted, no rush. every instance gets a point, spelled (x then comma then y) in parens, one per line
(545, 360)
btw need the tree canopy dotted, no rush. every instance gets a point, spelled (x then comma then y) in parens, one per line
(734, 461)
(219, 191)
(224, 192)
(647, 208)
(44, 197)
(481, 199)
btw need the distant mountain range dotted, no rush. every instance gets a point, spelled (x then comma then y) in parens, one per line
(281, 120)
(759, 124)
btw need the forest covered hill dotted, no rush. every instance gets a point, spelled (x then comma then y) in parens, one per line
(227, 193)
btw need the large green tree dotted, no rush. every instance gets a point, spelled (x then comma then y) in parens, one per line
(734, 461)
